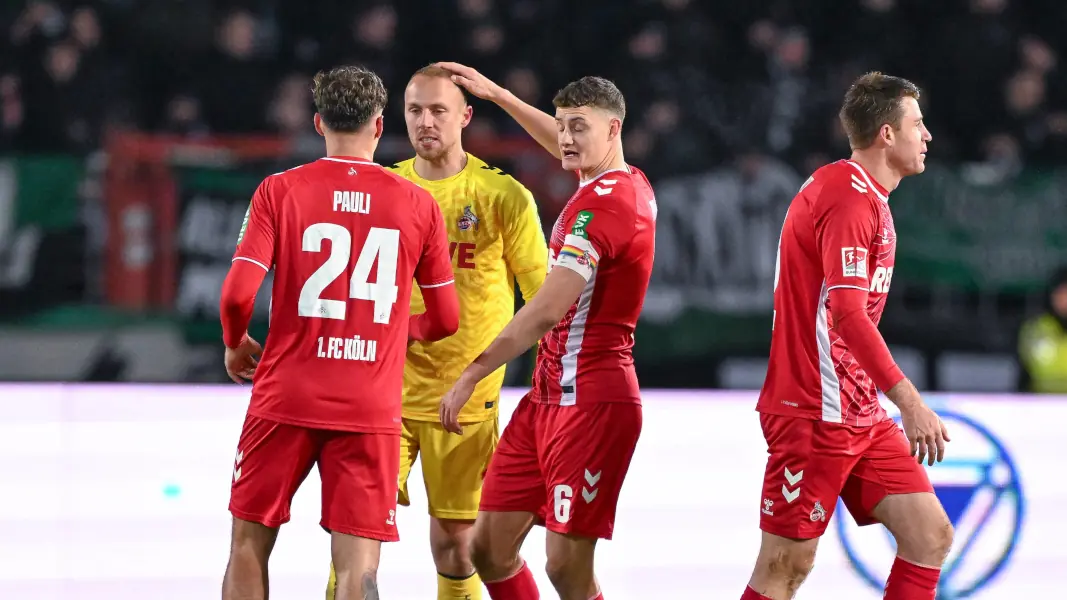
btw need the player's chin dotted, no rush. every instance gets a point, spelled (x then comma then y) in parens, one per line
(920, 164)
(571, 162)
(429, 152)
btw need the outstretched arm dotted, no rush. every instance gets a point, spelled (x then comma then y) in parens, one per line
(560, 291)
(540, 125)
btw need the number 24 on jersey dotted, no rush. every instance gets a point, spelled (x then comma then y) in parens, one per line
(383, 244)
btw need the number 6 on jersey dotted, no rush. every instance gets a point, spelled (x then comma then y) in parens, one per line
(383, 244)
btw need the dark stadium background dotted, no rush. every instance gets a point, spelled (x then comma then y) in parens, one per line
(132, 134)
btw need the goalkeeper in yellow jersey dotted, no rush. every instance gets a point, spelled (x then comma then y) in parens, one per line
(496, 240)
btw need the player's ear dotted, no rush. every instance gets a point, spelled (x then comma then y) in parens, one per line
(614, 129)
(886, 134)
(318, 125)
(379, 126)
(468, 113)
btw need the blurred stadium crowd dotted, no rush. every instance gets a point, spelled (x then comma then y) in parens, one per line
(730, 105)
(704, 79)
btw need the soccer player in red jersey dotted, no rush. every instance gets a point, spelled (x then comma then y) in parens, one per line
(564, 454)
(827, 435)
(346, 238)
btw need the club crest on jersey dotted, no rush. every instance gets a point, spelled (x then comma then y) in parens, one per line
(467, 220)
(854, 262)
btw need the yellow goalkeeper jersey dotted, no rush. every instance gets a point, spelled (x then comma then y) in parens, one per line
(495, 240)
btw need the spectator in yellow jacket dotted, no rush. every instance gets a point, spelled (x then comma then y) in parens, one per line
(1043, 342)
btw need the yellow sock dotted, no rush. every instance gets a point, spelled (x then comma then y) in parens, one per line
(331, 586)
(450, 588)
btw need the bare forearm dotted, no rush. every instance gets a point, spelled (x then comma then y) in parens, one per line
(540, 125)
(904, 394)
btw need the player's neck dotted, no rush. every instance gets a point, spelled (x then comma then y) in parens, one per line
(352, 146)
(449, 164)
(614, 161)
(875, 163)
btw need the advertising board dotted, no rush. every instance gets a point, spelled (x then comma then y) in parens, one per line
(120, 492)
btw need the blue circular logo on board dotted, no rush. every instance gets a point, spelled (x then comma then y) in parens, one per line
(980, 489)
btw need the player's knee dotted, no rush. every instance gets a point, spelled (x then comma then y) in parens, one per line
(928, 545)
(450, 544)
(561, 572)
(490, 562)
(251, 540)
(946, 536)
(570, 563)
(444, 546)
(791, 566)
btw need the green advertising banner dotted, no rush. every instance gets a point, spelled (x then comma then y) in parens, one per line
(1001, 237)
(717, 235)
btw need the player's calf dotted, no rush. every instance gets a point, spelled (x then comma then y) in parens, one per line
(355, 560)
(450, 543)
(783, 564)
(246, 571)
(570, 566)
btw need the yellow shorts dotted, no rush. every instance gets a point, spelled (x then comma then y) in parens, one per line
(453, 466)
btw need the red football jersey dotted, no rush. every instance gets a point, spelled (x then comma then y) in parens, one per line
(606, 233)
(346, 238)
(838, 232)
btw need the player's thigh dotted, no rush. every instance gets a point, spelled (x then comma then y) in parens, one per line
(272, 460)
(454, 466)
(586, 452)
(359, 474)
(514, 482)
(887, 470)
(808, 463)
(410, 433)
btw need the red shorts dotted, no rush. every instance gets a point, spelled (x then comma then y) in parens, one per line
(359, 474)
(565, 464)
(813, 463)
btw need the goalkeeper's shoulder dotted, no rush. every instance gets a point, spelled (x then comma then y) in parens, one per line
(403, 168)
(505, 188)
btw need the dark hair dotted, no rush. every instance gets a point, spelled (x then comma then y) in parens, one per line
(873, 100)
(347, 97)
(592, 91)
(435, 71)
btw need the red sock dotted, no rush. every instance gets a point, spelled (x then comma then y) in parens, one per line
(751, 594)
(520, 586)
(909, 581)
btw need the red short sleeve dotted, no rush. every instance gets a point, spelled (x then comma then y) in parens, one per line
(598, 228)
(845, 226)
(255, 243)
(435, 267)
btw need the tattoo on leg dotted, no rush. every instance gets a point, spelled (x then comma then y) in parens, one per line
(370, 586)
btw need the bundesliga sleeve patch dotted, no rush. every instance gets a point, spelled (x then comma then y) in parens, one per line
(854, 262)
(578, 255)
(581, 223)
